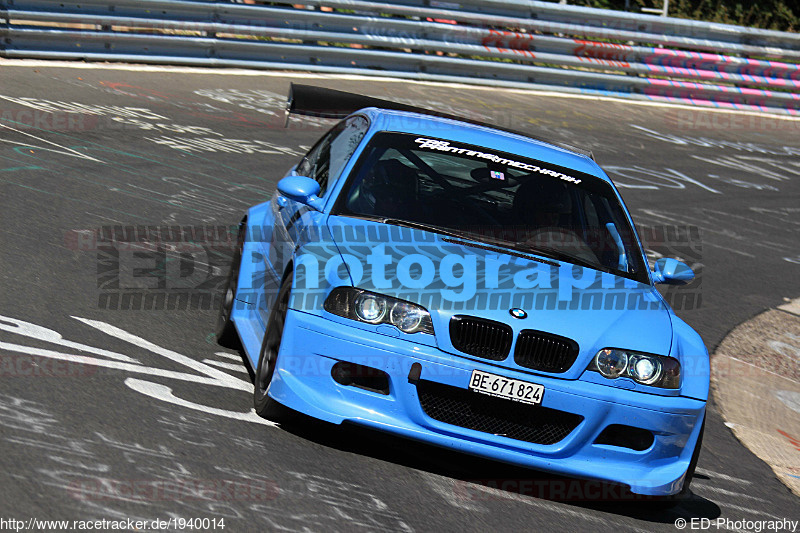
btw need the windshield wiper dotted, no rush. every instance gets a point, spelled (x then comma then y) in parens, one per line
(477, 237)
(555, 254)
(544, 251)
(410, 224)
(564, 256)
(425, 227)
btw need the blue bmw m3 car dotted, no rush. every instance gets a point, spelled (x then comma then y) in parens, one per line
(470, 287)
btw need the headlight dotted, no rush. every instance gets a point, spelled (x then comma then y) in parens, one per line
(407, 317)
(373, 308)
(611, 363)
(647, 369)
(370, 308)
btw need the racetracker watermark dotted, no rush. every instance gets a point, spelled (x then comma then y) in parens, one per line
(707, 120)
(466, 269)
(30, 366)
(730, 524)
(35, 119)
(562, 490)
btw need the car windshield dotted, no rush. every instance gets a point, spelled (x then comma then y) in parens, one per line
(493, 197)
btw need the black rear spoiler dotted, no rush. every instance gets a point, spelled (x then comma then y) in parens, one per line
(329, 103)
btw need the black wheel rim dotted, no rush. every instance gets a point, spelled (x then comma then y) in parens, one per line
(230, 293)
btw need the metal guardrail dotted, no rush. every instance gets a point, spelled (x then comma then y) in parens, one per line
(516, 43)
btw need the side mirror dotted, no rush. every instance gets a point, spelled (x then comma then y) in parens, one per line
(672, 272)
(301, 189)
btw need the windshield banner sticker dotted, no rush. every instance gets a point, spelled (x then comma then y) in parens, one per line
(444, 146)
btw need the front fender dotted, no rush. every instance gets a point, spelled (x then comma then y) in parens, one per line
(688, 348)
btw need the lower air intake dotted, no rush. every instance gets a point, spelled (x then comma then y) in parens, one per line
(515, 420)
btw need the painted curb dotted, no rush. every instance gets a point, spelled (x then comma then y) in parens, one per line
(755, 374)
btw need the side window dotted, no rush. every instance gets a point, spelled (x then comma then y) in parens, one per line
(307, 163)
(329, 156)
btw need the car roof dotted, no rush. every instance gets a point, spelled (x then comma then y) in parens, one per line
(331, 103)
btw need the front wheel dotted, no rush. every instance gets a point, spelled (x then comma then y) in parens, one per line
(266, 406)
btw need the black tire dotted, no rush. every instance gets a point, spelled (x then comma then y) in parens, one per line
(265, 406)
(225, 330)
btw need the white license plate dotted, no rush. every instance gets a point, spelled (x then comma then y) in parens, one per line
(502, 387)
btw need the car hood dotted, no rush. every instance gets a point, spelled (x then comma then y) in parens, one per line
(594, 309)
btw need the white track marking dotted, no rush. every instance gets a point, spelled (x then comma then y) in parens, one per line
(761, 369)
(712, 474)
(227, 366)
(74, 153)
(164, 393)
(355, 77)
(19, 327)
(711, 488)
(226, 355)
(446, 488)
(76, 448)
(790, 399)
(213, 373)
(210, 375)
(728, 249)
(136, 369)
(748, 510)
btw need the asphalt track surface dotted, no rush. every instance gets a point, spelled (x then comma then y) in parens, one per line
(98, 441)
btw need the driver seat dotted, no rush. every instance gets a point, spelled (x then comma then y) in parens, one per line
(388, 189)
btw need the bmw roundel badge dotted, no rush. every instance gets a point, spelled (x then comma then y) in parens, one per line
(517, 313)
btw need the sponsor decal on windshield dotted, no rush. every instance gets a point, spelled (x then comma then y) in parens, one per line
(444, 146)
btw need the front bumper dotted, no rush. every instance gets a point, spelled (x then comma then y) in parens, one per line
(312, 345)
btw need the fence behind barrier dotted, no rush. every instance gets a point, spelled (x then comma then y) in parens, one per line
(513, 43)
